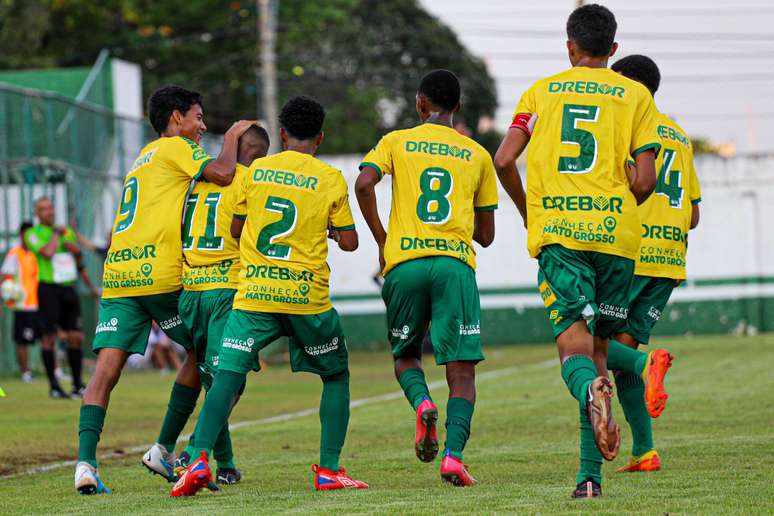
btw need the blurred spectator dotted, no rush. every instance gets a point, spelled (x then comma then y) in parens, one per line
(164, 352)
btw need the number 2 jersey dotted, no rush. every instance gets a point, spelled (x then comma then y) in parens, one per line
(145, 256)
(439, 178)
(289, 201)
(211, 254)
(590, 121)
(666, 215)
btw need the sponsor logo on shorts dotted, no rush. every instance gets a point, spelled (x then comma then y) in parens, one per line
(619, 312)
(169, 324)
(111, 325)
(555, 317)
(547, 294)
(245, 345)
(400, 333)
(215, 360)
(333, 345)
(654, 313)
(470, 329)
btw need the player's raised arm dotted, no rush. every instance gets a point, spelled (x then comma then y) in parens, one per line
(221, 170)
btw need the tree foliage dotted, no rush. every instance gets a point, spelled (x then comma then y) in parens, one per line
(361, 58)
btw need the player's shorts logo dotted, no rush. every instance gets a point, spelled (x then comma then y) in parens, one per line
(547, 294)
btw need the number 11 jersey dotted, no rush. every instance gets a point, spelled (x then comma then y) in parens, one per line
(590, 121)
(439, 178)
(289, 200)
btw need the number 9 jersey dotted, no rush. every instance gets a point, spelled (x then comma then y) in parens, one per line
(145, 255)
(289, 200)
(439, 178)
(589, 122)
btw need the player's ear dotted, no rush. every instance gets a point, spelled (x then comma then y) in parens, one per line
(177, 117)
(457, 107)
(284, 137)
(613, 49)
(320, 137)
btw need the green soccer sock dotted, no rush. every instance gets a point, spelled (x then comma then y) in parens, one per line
(214, 414)
(89, 429)
(459, 413)
(621, 357)
(182, 402)
(578, 371)
(334, 418)
(414, 386)
(222, 450)
(590, 457)
(631, 395)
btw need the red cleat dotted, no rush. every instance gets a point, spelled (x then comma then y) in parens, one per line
(426, 439)
(647, 462)
(455, 472)
(659, 362)
(196, 476)
(326, 479)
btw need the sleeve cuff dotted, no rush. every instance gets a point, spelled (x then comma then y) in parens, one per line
(649, 146)
(373, 166)
(201, 168)
(491, 207)
(240, 216)
(696, 201)
(351, 227)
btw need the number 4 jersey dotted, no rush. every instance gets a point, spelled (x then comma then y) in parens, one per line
(590, 121)
(439, 177)
(145, 255)
(666, 215)
(289, 201)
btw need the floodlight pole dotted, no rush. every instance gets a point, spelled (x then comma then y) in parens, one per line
(267, 30)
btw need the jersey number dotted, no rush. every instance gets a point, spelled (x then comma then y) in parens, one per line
(585, 140)
(433, 206)
(210, 241)
(672, 190)
(284, 226)
(129, 197)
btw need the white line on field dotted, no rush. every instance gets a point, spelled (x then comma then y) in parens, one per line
(289, 416)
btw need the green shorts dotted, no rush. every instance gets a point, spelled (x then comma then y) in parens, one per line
(585, 285)
(206, 313)
(125, 322)
(441, 290)
(647, 299)
(317, 343)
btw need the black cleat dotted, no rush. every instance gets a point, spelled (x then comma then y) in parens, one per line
(228, 476)
(587, 489)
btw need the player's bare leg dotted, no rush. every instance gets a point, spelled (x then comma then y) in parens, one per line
(461, 377)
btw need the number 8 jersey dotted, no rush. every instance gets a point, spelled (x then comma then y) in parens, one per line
(145, 256)
(439, 178)
(289, 200)
(590, 121)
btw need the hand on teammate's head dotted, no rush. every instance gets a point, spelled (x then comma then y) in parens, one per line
(239, 127)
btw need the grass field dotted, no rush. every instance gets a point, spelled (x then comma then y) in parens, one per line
(716, 438)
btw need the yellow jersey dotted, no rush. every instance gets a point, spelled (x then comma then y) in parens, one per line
(666, 215)
(439, 178)
(289, 201)
(590, 121)
(145, 255)
(211, 254)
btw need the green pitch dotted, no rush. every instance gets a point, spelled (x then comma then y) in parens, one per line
(716, 439)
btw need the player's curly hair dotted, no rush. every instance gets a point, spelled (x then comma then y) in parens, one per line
(592, 27)
(442, 88)
(167, 99)
(302, 117)
(641, 69)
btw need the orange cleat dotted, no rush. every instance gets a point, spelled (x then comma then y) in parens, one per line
(659, 362)
(326, 479)
(455, 472)
(196, 476)
(426, 439)
(649, 461)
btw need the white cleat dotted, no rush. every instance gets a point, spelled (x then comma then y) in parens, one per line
(161, 462)
(87, 481)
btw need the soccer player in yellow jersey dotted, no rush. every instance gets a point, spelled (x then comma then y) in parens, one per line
(141, 281)
(210, 277)
(444, 195)
(667, 217)
(581, 213)
(290, 202)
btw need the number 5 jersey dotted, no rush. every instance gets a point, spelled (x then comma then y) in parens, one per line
(590, 121)
(289, 201)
